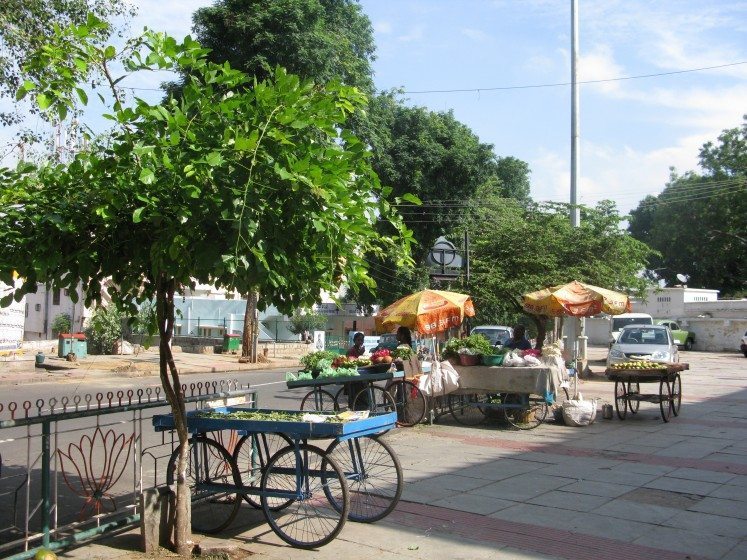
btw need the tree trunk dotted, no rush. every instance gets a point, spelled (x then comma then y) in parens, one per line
(251, 329)
(173, 390)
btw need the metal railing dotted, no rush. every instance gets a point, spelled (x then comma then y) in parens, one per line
(73, 468)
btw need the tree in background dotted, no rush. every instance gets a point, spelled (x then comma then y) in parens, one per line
(236, 186)
(306, 322)
(698, 223)
(518, 248)
(103, 329)
(61, 324)
(323, 40)
(25, 26)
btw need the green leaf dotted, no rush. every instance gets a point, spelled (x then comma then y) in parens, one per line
(137, 215)
(21, 93)
(246, 144)
(43, 101)
(82, 96)
(147, 177)
(214, 159)
(411, 198)
(319, 226)
(110, 51)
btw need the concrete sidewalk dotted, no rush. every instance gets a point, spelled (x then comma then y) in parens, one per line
(23, 369)
(633, 489)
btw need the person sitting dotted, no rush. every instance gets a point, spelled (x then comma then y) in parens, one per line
(518, 341)
(357, 349)
(404, 337)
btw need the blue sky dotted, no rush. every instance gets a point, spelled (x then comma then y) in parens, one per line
(632, 131)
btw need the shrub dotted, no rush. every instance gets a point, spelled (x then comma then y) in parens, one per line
(61, 324)
(103, 329)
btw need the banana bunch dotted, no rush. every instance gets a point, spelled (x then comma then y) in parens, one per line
(637, 365)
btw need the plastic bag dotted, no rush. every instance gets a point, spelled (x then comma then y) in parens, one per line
(579, 412)
(449, 377)
(431, 384)
(512, 359)
(531, 361)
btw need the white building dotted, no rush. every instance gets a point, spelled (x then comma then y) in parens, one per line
(43, 306)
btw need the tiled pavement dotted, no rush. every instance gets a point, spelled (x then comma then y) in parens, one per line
(633, 489)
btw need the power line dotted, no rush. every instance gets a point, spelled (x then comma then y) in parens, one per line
(560, 84)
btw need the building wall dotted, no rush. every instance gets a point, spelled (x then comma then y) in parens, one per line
(41, 310)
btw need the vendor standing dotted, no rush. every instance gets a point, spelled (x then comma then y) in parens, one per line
(352, 389)
(519, 340)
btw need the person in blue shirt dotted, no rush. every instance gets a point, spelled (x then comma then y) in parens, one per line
(519, 340)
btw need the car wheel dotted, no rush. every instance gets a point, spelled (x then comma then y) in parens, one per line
(689, 344)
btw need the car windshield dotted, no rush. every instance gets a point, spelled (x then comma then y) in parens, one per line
(495, 336)
(619, 323)
(643, 336)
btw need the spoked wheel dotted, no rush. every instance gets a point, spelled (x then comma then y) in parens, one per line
(524, 414)
(665, 399)
(621, 400)
(320, 400)
(466, 409)
(634, 390)
(373, 398)
(252, 455)
(374, 477)
(307, 479)
(676, 394)
(409, 401)
(208, 463)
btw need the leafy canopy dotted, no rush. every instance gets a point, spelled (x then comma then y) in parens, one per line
(239, 183)
(698, 224)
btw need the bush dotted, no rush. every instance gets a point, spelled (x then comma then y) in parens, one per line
(475, 342)
(61, 324)
(104, 328)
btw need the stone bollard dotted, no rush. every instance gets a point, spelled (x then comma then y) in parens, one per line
(157, 507)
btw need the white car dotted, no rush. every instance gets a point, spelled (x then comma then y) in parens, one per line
(498, 335)
(644, 342)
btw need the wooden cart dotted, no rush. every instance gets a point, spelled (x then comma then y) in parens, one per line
(628, 394)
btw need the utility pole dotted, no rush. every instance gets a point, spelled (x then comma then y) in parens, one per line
(574, 332)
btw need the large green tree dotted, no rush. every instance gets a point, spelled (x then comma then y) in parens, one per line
(518, 248)
(321, 40)
(25, 26)
(237, 186)
(699, 221)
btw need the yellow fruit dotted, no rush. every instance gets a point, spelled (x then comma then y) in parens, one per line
(45, 554)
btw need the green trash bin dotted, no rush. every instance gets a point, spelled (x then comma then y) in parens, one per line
(231, 343)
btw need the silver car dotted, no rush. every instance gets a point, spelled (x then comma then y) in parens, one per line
(644, 342)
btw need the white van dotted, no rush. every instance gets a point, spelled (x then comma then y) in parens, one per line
(617, 322)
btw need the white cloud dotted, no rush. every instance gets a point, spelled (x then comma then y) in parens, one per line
(383, 27)
(415, 33)
(476, 35)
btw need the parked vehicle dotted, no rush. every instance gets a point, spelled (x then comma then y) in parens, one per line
(743, 347)
(644, 342)
(619, 321)
(683, 339)
(498, 335)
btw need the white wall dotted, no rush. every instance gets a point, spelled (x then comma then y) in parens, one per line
(41, 311)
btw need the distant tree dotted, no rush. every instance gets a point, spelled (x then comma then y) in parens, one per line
(103, 329)
(235, 186)
(698, 223)
(25, 26)
(519, 248)
(306, 322)
(61, 324)
(322, 40)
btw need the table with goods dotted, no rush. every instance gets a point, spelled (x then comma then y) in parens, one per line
(306, 492)
(628, 377)
(521, 390)
(358, 377)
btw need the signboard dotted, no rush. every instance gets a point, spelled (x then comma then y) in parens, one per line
(444, 260)
(319, 340)
(12, 321)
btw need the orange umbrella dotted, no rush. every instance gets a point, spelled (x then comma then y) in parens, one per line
(428, 311)
(575, 299)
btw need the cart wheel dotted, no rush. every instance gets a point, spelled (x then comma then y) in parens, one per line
(409, 402)
(466, 410)
(341, 400)
(373, 398)
(665, 399)
(634, 388)
(209, 463)
(252, 454)
(524, 413)
(305, 477)
(318, 401)
(676, 394)
(621, 400)
(374, 477)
